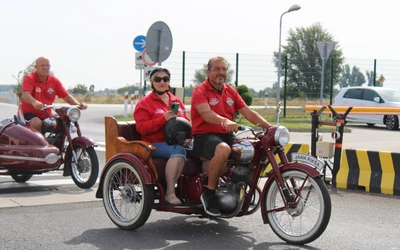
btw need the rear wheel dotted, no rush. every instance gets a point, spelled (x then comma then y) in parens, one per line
(21, 177)
(127, 200)
(392, 122)
(308, 217)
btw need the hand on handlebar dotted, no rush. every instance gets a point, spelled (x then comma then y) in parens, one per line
(83, 106)
(230, 126)
(37, 105)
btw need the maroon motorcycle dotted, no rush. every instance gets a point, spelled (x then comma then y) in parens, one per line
(25, 151)
(294, 200)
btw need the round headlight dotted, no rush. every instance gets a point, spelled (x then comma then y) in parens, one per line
(51, 158)
(282, 136)
(73, 114)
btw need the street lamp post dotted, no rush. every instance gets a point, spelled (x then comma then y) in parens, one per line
(278, 93)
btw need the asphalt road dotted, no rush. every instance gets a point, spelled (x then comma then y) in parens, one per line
(50, 212)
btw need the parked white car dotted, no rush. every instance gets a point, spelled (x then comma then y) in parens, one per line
(372, 97)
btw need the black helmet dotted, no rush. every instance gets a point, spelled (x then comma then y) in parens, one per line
(177, 130)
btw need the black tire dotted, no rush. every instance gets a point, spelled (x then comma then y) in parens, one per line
(392, 122)
(85, 172)
(21, 177)
(309, 219)
(127, 200)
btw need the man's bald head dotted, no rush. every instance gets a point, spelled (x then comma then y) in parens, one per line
(42, 66)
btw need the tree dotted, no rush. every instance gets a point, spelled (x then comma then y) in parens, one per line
(200, 75)
(304, 64)
(352, 77)
(80, 89)
(244, 92)
(370, 77)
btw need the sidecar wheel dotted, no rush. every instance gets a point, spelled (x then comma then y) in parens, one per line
(21, 177)
(84, 172)
(127, 200)
(308, 219)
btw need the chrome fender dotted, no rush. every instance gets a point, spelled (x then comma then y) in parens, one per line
(143, 169)
(310, 170)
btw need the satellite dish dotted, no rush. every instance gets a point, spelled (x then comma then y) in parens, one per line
(159, 42)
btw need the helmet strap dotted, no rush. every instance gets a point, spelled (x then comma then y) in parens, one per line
(161, 92)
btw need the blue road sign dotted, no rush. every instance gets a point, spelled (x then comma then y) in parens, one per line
(139, 43)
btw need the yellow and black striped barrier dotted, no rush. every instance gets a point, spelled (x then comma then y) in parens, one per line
(376, 171)
(365, 110)
(289, 149)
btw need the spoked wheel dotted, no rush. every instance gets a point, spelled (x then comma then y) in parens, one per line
(85, 170)
(127, 200)
(255, 201)
(308, 218)
(21, 177)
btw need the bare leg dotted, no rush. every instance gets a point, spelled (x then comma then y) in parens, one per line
(36, 123)
(204, 166)
(218, 164)
(173, 171)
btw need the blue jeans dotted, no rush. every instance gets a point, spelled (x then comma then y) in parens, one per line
(165, 151)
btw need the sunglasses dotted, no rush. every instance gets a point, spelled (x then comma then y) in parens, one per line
(158, 79)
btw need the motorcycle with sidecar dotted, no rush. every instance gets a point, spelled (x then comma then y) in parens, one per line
(25, 152)
(294, 200)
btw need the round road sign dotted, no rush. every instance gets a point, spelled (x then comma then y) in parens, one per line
(139, 43)
(146, 59)
(159, 41)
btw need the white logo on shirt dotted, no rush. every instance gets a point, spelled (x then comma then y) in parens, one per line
(159, 111)
(213, 101)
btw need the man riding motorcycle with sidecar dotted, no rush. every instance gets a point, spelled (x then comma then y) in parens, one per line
(40, 88)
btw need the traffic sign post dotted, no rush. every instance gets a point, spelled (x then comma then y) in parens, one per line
(325, 48)
(139, 43)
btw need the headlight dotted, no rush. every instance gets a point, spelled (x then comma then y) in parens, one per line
(73, 114)
(282, 136)
(51, 158)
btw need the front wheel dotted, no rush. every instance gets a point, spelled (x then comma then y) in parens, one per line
(85, 169)
(127, 200)
(307, 218)
(21, 177)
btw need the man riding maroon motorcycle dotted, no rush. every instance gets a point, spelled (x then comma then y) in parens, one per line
(214, 104)
(40, 140)
(40, 88)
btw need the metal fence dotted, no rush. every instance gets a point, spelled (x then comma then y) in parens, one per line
(259, 72)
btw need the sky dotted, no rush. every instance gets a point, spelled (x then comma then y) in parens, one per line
(91, 41)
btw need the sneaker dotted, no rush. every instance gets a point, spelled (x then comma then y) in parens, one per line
(210, 202)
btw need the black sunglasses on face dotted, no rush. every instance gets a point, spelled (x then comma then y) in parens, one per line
(158, 79)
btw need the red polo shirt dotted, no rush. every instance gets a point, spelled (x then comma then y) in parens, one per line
(149, 116)
(44, 92)
(224, 104)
